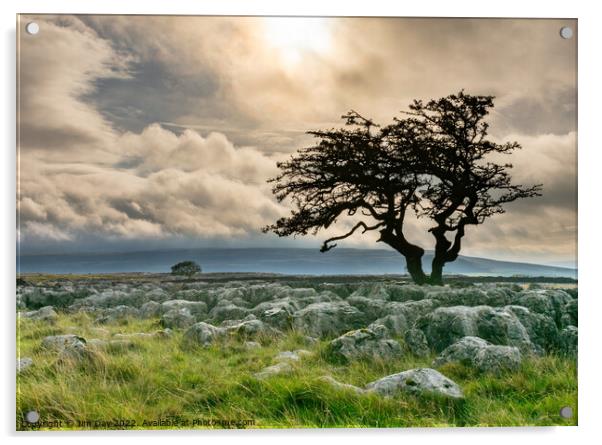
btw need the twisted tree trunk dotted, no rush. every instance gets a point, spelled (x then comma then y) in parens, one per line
(412, 253)
(414, 265)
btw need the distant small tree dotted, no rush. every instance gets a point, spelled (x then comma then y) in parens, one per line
(187, 268)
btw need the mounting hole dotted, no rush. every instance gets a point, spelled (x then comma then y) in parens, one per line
(32, 28)
(32, 416)
(566, 32)
(566, 412)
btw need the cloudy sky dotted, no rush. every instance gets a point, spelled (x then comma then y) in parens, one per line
(141, 132)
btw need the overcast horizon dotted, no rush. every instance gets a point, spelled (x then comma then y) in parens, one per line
(159, 132)
(572, 264)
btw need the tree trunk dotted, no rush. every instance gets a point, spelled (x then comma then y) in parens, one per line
(436, 277)
(414, 265)
(412, 253)
(439, 259)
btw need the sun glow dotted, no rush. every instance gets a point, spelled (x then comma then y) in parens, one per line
(296, 37)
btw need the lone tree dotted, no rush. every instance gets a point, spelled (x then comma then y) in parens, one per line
(432, 162)
(187, 268)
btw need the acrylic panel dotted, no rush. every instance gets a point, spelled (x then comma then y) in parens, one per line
(295, 222)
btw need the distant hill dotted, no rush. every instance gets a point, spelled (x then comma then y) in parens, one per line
(339, 261)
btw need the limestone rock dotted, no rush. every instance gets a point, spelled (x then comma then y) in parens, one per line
(416, 342)
(117, 314)
(196, 308)
(371, 308)
(150, 309)
(328, 318)
(568, 341)
(283, 367)
(392, 292)
(341, 386)
(248, 327)
(569, 316)
(61, 342)
(396, 325)
(446, 325)
(177, 319)
(227, 311)
(411, 310)
(47, 313)
(163, 333)
(364, 343)
(480, 354)
(550, 302)
(68, 346)
(202, 334)
(23, 364)
(420, 381)
(294, 356)
(471, 296)
(498, 358)
(278, 313)
(278, 318)
(542, 330)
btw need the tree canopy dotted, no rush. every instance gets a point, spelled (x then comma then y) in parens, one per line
(187, 268)
(434, 161)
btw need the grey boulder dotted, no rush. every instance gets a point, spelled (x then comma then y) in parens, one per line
(416, 342)
(294, 356)
(177, 319)
(248, 327)
(568, 341)
(371, 308)
(196, 308)
(550, 302)
(47, 313)
(163, 333)
(283, 367)
(542, 330)
(67, 346)
(480, 354)
(341, 386)
(569, 316)
(446, 325)
(364, 343)
(420, 381)
(411, 310)
(279, 318)
(396, 324)
(227, 311)
(202, 334)
(328, 318)
(61, 342)
(23, 364)
(150, 309)
(117, 314)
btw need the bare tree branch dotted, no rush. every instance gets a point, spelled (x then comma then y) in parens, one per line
(326, 247)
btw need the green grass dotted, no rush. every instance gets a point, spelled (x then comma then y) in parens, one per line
(155, 378)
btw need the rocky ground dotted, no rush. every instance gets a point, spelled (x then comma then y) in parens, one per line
(488, 331)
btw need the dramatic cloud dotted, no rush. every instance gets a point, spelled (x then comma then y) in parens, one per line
(264, 82)
(56, 69)
(136, 129)
(164, 185)
(79, 175)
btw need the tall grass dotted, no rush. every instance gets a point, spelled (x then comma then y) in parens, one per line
(155, 378)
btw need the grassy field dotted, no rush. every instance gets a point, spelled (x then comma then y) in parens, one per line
(154, 379)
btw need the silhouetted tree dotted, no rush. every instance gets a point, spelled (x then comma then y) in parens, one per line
(187, 268)
(430, 162)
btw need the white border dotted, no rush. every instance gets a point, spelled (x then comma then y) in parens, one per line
(590, 161)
